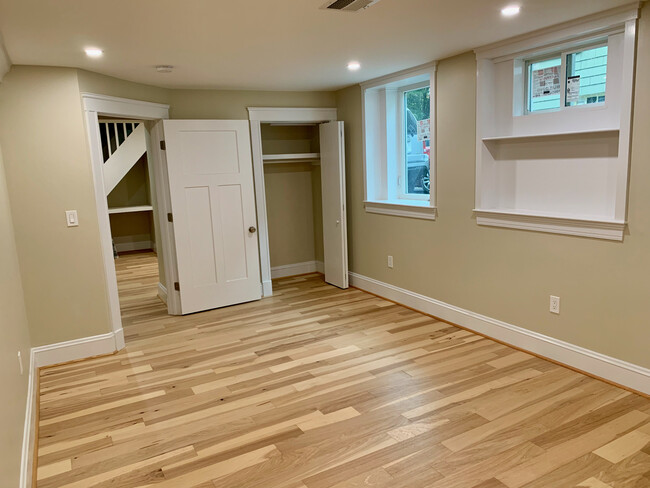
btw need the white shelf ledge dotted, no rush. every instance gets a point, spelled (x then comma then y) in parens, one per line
(290, 158)
(139, 208)
(553, 135)
(576, 225)
(418, 209)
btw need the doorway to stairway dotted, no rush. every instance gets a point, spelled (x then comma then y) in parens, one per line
(129, 188)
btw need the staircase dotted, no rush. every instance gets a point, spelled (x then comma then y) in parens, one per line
(123, 144)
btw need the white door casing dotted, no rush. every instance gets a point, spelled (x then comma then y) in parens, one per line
(213, 206)
(335, 238)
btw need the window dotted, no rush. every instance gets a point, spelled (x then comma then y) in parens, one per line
(586, 76)
(399, 144)
(567, 80)
(544, 88)
(416, 117)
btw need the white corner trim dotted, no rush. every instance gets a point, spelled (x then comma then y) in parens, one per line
(417, 211)
(294, 269)
(290, 114)
(83, 348)
(162, 293)
(598, 229)
(29, 429)
(597, 364)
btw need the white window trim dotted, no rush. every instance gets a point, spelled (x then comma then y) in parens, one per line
(401, 204)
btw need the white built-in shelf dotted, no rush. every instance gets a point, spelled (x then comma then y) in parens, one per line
(600, 133)
(290, 158)
(554, 223)
(138, 208)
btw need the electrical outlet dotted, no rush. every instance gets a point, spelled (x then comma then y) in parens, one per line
(390, 262)
(20, 362)
(555, 304)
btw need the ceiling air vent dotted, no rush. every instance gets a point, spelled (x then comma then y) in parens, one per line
(349, 5)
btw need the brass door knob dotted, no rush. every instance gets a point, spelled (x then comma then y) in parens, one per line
(252, 229)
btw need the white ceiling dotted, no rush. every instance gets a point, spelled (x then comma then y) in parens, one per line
(263, 44)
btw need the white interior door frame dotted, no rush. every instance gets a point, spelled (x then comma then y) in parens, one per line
(95, 105)
(273, 115)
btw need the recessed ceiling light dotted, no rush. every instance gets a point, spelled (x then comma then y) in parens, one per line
(93, 52)
(510, 10)
(354, 65)
(164, 68)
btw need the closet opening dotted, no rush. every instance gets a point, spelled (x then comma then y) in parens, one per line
(128, 182)
(292, 180)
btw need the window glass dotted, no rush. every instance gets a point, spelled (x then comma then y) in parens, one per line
(586, 76)
(417, 141)
(544, 87)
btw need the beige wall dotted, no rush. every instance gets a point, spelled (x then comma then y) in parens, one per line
(231, 104)
(290, 213)
(48, 172)
(90, 82)
(509, 274)
(14, 337)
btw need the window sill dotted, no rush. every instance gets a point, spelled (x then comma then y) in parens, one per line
(417, 209)
(575, 225)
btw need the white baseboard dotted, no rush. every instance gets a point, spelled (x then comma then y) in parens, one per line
(294, 269)
(134, 246)
(86, 347)
(320, 267)
(162, 293)
(591, 362)
(46, 356)
(29, 430)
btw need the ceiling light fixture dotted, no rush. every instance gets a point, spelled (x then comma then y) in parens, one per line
(93, 52)
(164, 68)
(354, 65)
(510, 10)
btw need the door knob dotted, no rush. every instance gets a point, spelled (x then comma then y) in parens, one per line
(252, 229)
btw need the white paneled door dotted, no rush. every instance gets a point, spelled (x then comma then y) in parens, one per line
(213, 207)
(335, 234)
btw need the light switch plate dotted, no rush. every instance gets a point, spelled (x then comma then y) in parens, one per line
(71, 218)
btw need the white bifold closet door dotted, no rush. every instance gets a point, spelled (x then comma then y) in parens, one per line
(335, 233)
(213, 205)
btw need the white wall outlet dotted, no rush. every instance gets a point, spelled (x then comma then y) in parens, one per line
(390, 262)
(555, 304)
(71, 218)
(20, 362)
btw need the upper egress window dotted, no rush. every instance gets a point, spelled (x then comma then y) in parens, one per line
(566, 80)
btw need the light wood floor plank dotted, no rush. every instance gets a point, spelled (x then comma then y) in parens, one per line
(318, 387)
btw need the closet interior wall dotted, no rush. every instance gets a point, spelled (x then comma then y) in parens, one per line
(293, 195)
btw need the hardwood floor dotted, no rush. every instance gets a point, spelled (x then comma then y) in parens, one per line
(318, 387)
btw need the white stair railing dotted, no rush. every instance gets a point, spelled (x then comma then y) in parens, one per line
(123, 144)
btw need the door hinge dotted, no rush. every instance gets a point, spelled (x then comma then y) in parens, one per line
(170, 217)
(177, 286)
(163, 146)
